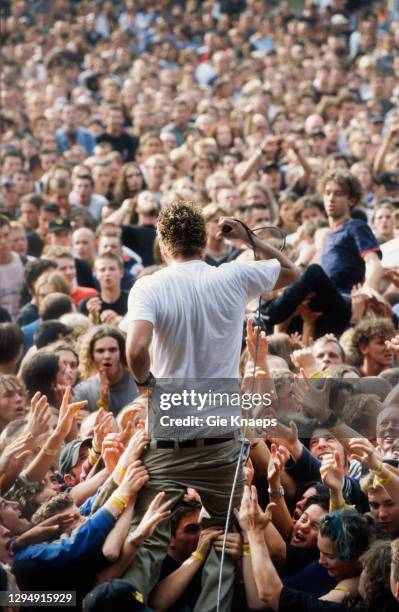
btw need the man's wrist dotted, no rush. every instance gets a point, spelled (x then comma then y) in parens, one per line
(145, 383)
(275, 492)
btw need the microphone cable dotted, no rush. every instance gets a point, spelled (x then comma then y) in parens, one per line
(226, 229)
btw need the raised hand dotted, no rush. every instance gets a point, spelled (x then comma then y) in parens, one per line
(256, 344)
(364, 451)
(313, 400)
(307, 314)
(303, 358)
(278, 458)
(250, 516)
(48, 529)
(249, 472)
(359, 299)
(15, 454)
(111, 451)
(68, 412)
(296, 341)
(154, 515)
(104, 424)
(332, 472)
(133, 479)
(288, 438)
(39, 416)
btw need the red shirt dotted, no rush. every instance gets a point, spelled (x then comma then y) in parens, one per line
(82, 293)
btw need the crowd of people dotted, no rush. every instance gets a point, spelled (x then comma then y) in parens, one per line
(146, 148)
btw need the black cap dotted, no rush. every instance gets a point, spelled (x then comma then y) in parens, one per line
(390, 180)
(377, 119)
(70, 454)
(114, 594)
(59, 223)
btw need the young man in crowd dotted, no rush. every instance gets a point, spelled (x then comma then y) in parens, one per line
(111, 305)
(350, 255)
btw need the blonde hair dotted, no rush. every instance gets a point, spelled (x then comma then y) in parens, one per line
(56, 280)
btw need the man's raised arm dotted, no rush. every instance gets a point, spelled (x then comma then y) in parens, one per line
(289, 272)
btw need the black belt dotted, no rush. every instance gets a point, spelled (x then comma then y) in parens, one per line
(189, 443)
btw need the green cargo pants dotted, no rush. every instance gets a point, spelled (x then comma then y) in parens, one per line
(210, 470)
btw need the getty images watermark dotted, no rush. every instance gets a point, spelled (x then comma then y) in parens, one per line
(184, 409)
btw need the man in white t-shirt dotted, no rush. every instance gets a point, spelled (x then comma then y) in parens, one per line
(11, 271)
(193, 314)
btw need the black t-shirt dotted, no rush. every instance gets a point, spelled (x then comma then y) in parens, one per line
(140, 238)
(125, 144)
(191, 594)
(297, 558)
(84, 275)
(35, 244)
(120, 306)
(290, 600)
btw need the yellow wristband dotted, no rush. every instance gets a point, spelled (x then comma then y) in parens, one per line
(334, 507)
(379, 470)
(343, 590)
(121, 472)
(198, 555)
(246, 550)
(119, 503)
(383, 481)
(49, 451)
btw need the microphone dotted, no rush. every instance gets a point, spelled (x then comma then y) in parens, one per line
(226, 229)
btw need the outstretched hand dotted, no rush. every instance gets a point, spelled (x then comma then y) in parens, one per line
(314, 401)
(156, 513)
(251, 516)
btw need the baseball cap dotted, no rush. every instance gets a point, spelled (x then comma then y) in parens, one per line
(59, 223)
(70, 454)
(7, 182)
(114, 594)
(377, 119)
(390, 180)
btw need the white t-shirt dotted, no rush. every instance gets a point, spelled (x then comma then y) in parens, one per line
(97, 203)
(11, 284)
(197, 311)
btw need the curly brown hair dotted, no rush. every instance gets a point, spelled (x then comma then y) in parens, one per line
(377, 591)
(348, 182)
(54, 505)
(395, 558)
(181, 228)
(368, 328)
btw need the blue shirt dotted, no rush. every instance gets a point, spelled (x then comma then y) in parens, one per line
(343, 254)
(313, 579)
(88, 538)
